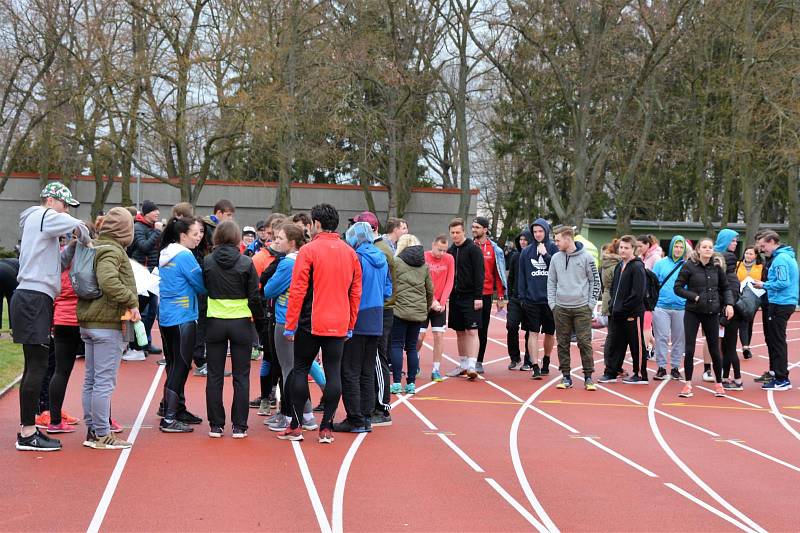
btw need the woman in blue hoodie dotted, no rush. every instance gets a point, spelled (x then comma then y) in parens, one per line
(668, 314)
(181, 283)
(358, 359)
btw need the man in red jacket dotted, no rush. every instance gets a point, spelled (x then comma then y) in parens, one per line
(323, 306)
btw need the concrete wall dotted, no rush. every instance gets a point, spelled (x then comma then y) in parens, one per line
(428, 212)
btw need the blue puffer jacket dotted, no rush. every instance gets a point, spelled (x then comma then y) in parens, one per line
(534, 268)
(277, 288)
(782, 278)
(667, 299)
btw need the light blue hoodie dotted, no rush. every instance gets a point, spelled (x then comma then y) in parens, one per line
(724, 239)
(667, 299)
(181, 282)
(782, 279)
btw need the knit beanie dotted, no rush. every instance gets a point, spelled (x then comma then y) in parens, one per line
(148, 206)
(118, 225)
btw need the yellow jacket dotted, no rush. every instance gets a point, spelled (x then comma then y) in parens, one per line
(755, 271)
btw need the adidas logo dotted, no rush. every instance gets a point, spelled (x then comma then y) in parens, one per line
(539, 267)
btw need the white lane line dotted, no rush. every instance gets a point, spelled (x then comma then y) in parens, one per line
(515, 504)
(466, 458)
(621, 457)
(651, 417)
(764, 455)
(779, 416)
(116, 474)
(707, 507)
(311, 488)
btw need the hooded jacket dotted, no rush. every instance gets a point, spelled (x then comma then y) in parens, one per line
(653, 256)
(232, 285)
(573, 281)
(65, 306)
(326, 288)
(500, 284)
(782, 278)
(627, 289)
(468, 283)
(707, 284)
(667, 299)
(534, 267)
(414, 286)
(387, 251)
(146, 239)
(181, 282)
(513, 263)
(376, 285)
(609, 263)
(724, 239)
(114, 274)
(277, 288)
(39, 253)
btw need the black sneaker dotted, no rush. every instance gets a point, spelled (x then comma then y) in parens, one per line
(255, 403)
(91, 438)
(155, 350)
(766, 377)
(188, 418)
(176, 426)
(675, 374)
(513, 364)
(546, 365)
(635, 379)
(320, 408)
(733, 385)
(661, 374)
(345, 426)
(605, 378)
(379, 419)
(527, 367)
(537, 373)
(160, 412)
(38, 442)
(651, 355)
(747, 353)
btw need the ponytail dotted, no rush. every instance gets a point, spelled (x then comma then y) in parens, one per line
(175, 227)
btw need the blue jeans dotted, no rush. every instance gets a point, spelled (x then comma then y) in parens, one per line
(404, 336)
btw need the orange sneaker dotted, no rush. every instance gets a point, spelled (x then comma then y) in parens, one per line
(71, 420)
(686, 392)
(115, 427)
(43, 420)
(719, 390)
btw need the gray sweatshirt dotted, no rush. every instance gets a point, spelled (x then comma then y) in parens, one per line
(39, 254)
(573, 280)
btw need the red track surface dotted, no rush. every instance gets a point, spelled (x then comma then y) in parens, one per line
(462, 457)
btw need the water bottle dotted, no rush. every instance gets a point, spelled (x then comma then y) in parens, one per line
(141, 334)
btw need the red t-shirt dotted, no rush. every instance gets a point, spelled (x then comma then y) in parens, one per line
(491, 281)
(442, 274)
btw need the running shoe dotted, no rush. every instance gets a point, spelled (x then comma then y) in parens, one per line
(134, 355)
(320, 408)
(346, 426)
(733, 385)
(239, 433)
(708, 377)
(309, 424)
(537, 373)
(155, 350)
(411, 388)
(747, 353)
(436, 376)
(161, 362)
(765, 377)
(513, 364)
(255, 353)
(255, 403)
(719, 390)
(396, 388)
(635, 379)
(589, 385)
(472, 374)
(675, 374)
(160, 412)
(90, 438)
(280, 424)
(651, 355)
(381, 419)
(606, 378)
(686, 392)
(63, 427)
(566, 383)
(71, 420)
(479, 367)
(777, 385)
(188, 418)
(110, 442)
(661, 374)
(264, 409)
(176, 426)
(456, 372)
(43, 420)
(201, 371)
(325, 436)
(37, 442)
(291, 434)
(216, 432)
(527, 367)
(546, 365)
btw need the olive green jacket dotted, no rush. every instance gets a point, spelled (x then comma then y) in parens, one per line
(115, 278)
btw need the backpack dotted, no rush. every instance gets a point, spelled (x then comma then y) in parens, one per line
(82, 275)
(651, 289)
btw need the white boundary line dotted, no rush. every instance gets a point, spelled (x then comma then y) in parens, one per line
(116, 474)
(705, 506)
(313, 495)
(779, 416)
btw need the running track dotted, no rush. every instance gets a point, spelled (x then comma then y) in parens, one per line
(502, 454)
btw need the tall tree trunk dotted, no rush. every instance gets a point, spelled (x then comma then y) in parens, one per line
(793, 205)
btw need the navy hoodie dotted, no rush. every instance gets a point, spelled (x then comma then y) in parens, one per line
(513, 263)
(534, 267)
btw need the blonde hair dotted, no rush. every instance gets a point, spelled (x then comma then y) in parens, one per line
(405, 241)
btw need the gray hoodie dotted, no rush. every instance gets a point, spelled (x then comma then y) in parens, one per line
(39, 254)
(573, 280)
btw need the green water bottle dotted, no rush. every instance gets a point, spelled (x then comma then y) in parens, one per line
(141, 334)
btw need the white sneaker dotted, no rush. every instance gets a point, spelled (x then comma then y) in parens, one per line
(134, 355)
(708, 377)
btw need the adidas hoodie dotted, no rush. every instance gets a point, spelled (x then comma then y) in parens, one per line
(533, 269)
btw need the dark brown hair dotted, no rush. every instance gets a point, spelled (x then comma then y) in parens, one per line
(227, 233)
(294, 233)
(565, 231)
(224, 205)
(457, 222)
(441, 238)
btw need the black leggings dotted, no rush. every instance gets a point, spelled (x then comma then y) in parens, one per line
(178, 344)
(483, 331)
(306, 347)
(220, 332)
(31, 385)
(710, 324)
(730, 358)
(746, 331)
(68, 345)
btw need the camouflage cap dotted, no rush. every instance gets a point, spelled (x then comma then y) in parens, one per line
(59, 191)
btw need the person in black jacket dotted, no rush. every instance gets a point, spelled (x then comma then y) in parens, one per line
(145, 248)
(9, 269)
(466, 300)
(514, 317)
(626, 311)
(233, 298)
(704, 284)
(726, 244)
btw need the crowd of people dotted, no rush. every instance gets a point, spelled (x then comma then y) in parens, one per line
(352, 311)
